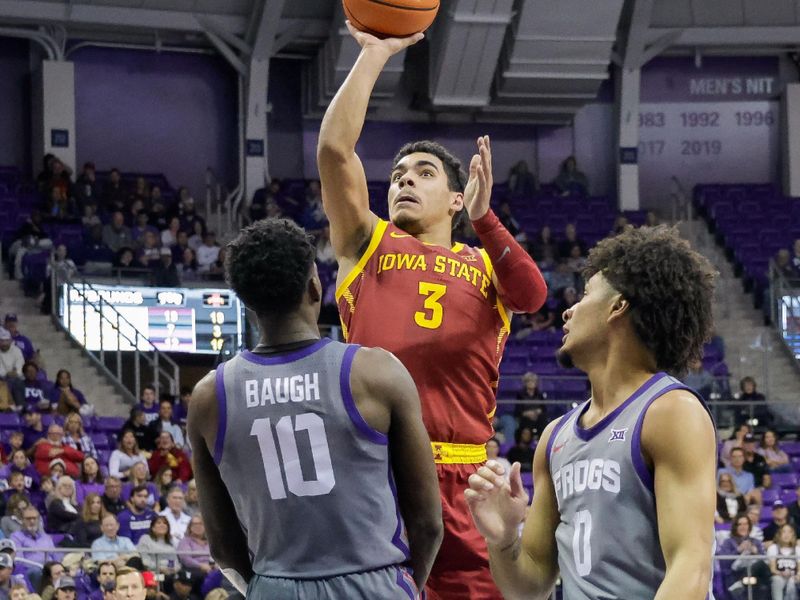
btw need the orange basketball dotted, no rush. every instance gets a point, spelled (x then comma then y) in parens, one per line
(391, 18)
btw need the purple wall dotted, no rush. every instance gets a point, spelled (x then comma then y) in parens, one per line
(150, 112)
(15, 99)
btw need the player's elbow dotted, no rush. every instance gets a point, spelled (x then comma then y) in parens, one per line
(693, 574)
(427, 533)
(332, 151)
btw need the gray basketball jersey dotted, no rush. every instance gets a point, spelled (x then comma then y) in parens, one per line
(608, 542)
(311, 480)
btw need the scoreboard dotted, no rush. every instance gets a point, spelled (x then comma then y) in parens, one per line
(172, 319)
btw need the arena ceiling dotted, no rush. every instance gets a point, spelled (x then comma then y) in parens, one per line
(515, 60)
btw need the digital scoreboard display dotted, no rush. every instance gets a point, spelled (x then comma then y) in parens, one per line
(172, 319)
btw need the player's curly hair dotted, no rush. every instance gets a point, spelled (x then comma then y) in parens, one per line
(669, 286)
(456, 176)
(268, 265)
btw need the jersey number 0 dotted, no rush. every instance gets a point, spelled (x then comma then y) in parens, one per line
(289, 460)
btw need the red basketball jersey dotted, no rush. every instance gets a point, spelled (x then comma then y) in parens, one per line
(437, 310)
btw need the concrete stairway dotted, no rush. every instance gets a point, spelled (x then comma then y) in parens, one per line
(751, 348)
(58, 352)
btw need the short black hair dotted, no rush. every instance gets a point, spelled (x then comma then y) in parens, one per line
(268, 265)
(139, 488)
(456, 176)
(669, 286)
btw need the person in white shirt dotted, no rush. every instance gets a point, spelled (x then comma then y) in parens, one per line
(11, 359)
(207, 252)
(164, 422)
(178, 519)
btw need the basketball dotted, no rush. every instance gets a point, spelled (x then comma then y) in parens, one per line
(392, 18)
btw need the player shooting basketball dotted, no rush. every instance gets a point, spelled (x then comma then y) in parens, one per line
(442, 309)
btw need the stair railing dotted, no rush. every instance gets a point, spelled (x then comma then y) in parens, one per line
(125, 354)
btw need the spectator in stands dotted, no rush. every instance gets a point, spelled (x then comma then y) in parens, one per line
(19, 463)
(783, 563)
(754, 514)
(571, 239)
(570, 180)
(174, 512)
(165, 422)
(112, 495)
(780, 517)
(110, 545)
(11, 358)
(742, 544)
(31, 535)
(567, 299)
(16, 486)
(730, 501)
(90, 218)
(313, 218)
(63, 268)
(15, 440)
(62, 510)
(114, 195)
(75, 436)
(493, 453)
(169, 236)
(164, 481)
(166, 273)
(181, 409)
(575, 263)
(783, 264)
(34, 430)
(141, 191)
(125, 456)
(116, 234)
(91, 480)
(65, 398)
(521, 182)
(207, 252)
(544, 249)
(745, 482)
(620, 224)
(750, 395)
(13, 519)
(142, 226)
(509, 221)
(11, 323)
(129, 585)
(192, 501)
(195, 541)
(699, 379)
(522, 452)
(796, 257)
(148, 403)
(158, 540)
(53, 447)
(65, 588)
(187, 267)
(137, 423)
(167, 454)
(196, 239)
(753, 462)
(52, 571)
(149, 255)
(325, 254)
(777, 459)
(529, 412)
(139, 476)
(59, 205)
(134, 521)
(106, 574)
(158, 212)
(87, 191)
(181, 244)
(31, 391)
(736, 441)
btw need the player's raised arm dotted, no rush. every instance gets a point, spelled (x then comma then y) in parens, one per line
(227, 541)
(379, 374)
(523, 567)
(344, 185)
(518, 280)
(678, 435)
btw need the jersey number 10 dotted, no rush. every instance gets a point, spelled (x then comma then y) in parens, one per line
(288, 461)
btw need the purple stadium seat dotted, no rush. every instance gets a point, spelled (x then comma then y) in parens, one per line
(9, 420)
(101, 441)
(791, 448)
(766, 513)
(785, 480)
(769, 496)
(789, 497)
(108, 424)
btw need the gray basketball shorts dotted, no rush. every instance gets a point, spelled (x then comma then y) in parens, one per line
(388, 583)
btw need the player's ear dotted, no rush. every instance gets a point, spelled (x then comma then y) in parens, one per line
(456, 202)
(619, 307)
(314, 286)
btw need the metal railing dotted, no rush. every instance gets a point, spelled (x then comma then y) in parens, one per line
(124, 353)
(784, 308)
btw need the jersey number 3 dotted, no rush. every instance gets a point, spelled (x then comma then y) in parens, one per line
(289, 459)
(431, 317)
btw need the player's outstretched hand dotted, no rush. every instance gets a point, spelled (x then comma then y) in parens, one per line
(478, 191)
(497, 505)
(389, 45)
